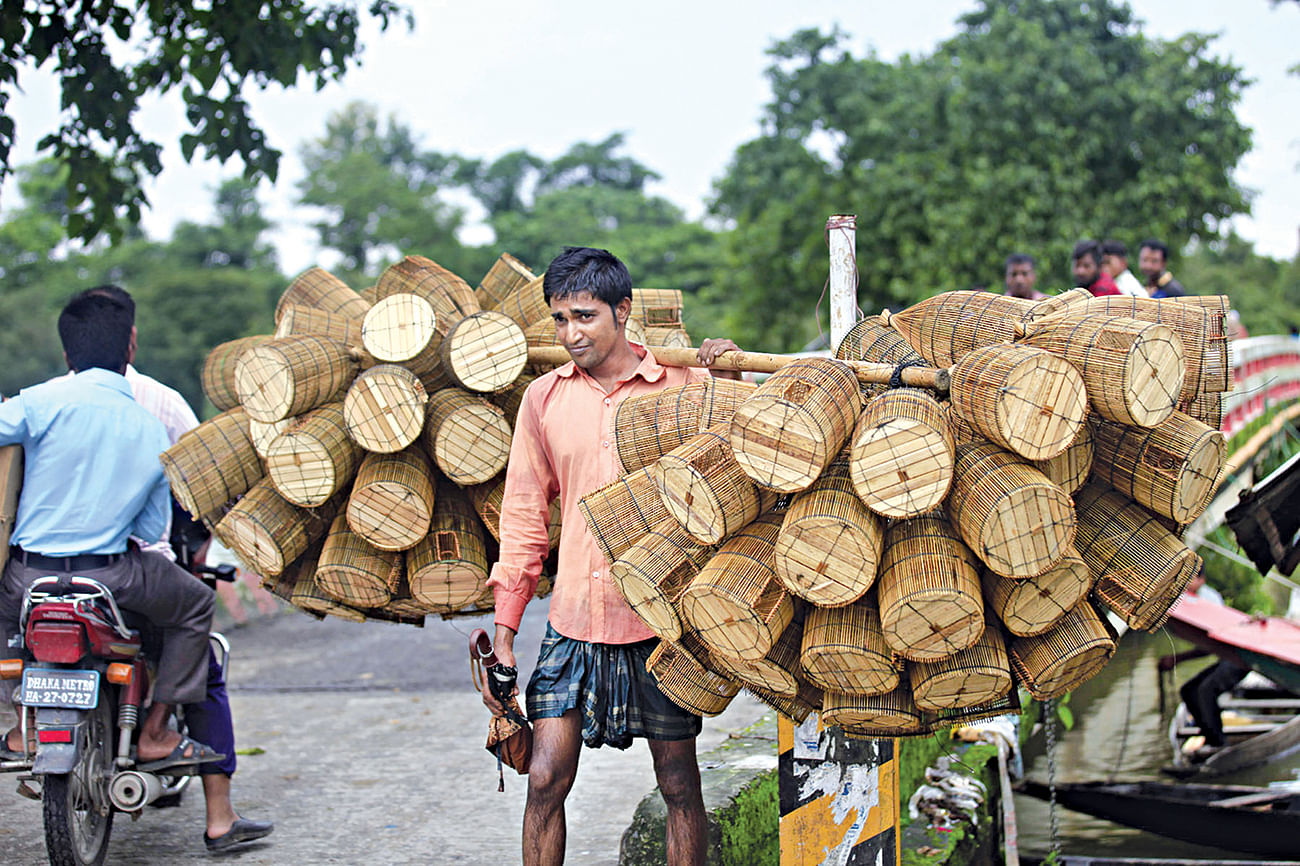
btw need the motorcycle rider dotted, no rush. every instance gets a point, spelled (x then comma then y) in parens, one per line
(91, 479)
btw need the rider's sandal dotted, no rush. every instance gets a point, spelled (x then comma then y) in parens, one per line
(8, 754)
(201, 754)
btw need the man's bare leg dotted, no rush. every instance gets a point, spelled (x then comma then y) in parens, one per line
(156, 740)
(678, 775)
(557, 744)
(216, 797)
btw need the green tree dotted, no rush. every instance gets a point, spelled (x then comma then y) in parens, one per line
(1039, 123)
(210, 51)
(1265, 291)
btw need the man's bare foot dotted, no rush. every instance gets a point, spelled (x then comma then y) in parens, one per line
(156, 748)
(14, 740)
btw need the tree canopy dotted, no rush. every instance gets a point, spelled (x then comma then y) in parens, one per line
(109, 54)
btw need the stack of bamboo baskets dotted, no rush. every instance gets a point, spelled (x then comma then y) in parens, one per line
(900, 561)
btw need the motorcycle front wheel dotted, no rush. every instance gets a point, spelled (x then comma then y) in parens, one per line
(78, 813)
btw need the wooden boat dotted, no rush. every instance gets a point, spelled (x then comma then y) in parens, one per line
(1232, 817)
(1258, 729)
(1269, 644)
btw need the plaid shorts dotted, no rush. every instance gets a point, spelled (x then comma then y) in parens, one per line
(609, 683)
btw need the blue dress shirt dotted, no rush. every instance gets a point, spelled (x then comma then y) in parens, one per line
(91, 475)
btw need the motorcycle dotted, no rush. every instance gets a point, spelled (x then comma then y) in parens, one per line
(83, 696)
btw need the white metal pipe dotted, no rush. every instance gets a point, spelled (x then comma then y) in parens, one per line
(841, 234)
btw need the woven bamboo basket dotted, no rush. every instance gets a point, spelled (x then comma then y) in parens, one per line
(648, 426)
(402, 604)
(1064, 657)
(704, 488)
(736, 603)
(385, 408)
(795, 424)
(1064, 303)
(929, 590)
(212, 464)
(1200, 328)
(635, 331)
(1206, 408)
(1016, 521)
(671, 337)
(263, 433)
(314, 458)
(353, 571)
(948, 326)
(1139, 566)
(873, 715)
(403, 329)
(844, 650)
(452, 297)
(298, 319)
(487, 497)
(292, 375)
(977, 675)
(307, 596)
(392, 500)
(505, 276)
(1070, 469)
(484, 352)
(902, 454)
(1133, 370)
(963, 432)
(1033, 605)
(1027, 400)
(622, 511)
(797, 707)
(268, 532)
(873, 340)
(467, 436)
(653, 573)
(526, 304)
(688, 683)
(510, 399)
(540, 333)
(777, 673)
(657, 308)
(830, 543)
(219, 370)
(324, 291)
(448, 568)
(1172, 469)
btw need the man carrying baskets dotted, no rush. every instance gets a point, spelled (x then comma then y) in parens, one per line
(590, 684)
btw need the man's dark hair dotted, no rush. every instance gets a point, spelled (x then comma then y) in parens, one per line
(1158, 246)
(1019, 259)
(1087, 248)
(117, 293)
(1114, 248)
(584, 269)
(96, 331)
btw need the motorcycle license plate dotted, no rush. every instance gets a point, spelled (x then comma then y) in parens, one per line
(73, 690)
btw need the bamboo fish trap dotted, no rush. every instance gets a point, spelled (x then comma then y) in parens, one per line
(1172, 469)
(657, 308)
(874, 341)
(648, 426)
(688, 683)
(353, 571)
(1133, 371)
(622, 511)
(268, 532)
(505, 276)
(403, 329)
(1033, 605)
(902, 454)
(844, 650)
(795, 424)
(263, 433)
(736, 604)
(297, 319)
(212, 464)
(320, 289)
(487, 498)
(448, 568)
(929, 590)
(466, 436)
(1027, 400)
(670, 337)
(797, 707)
(1140, 567)
(704, 488)
(385, 408)
(885, 714)
(526, 304)
(948, 326)
(1016, 521)
(1070, 469)
(979, 674)
(830, 543)
(510, 399)
(653, 573)
(314, 458)
(292, 375)
(485, 351)
(309, 597)
(219, 370)
(1056, 661)
(777, 672)
(392, 499)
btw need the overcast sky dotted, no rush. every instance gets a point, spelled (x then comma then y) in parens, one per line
(682, 79)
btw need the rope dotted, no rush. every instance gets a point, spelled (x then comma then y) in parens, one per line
(840, 223)
(896, 378)
(1128, 718)
(1054, 820)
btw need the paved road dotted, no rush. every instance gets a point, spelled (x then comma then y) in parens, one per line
(371, 740)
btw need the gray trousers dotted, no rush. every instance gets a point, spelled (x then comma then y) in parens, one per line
(178, 604)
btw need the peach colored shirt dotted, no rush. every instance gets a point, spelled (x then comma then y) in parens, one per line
(564, 446)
